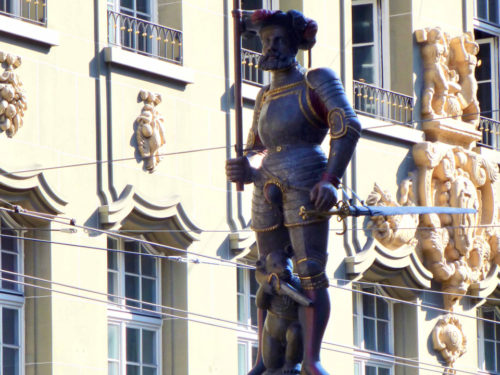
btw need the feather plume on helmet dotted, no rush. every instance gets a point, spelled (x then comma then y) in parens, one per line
(301, 29)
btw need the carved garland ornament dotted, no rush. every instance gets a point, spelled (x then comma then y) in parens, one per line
(150, 132)
(459, 250)
(13, 102)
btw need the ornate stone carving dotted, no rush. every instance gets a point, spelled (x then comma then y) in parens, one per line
(449, 100)
(449, 84)
(13, 103)
(150, 132)
(449, 339)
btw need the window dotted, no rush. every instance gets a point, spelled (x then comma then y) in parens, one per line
(33, 11)
(367, 41)
(138, 25)
(487, 32)
(134, 327)
(11, 302)
(488, 10)
(372, 321)
(489, 339)
(247, 314)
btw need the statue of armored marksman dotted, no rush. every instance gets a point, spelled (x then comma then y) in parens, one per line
(292, 116)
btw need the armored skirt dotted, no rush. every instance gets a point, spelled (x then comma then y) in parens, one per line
(294, 170)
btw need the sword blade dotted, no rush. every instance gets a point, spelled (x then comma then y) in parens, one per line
(406, 210)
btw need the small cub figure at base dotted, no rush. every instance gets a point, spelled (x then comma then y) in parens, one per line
(282, 334)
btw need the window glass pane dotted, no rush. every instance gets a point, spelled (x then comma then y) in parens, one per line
(383, 337)
(149, 371)
(482, 9)
(132, 289)
(133, 370)
(9, 243)
(493, 11)
(10, 361)
(383, 371)
(368, 304)
(355, 328)
(483, 71)
(489, 330)
(484, 98)
(133, 345)
(254, 285)
(10, 326)
(149, 292)
(253, 311)
(240, 280)
(112, 243)
(112, 285)
(113, 341)
(255, 348)
(251, 4)
(132, 263)
(132, 246)
(497, 329)
(144, 6)
(369, 334)
(362, 24)
(9, 263)
(127, 4)
(113, 368)
(489, 355)
(370, 370)
(112, 260)
(148, 265)
(242, 359)
(382, 309)
(148, 347)
(241, 309)
(364, 63)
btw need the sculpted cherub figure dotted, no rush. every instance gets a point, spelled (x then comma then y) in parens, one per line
(150, 132)
(434, 53)
(463, 51)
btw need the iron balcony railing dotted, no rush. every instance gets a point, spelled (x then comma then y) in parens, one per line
(250, 68)
(491, 132)
(34, 11)
(376, 102)
(144, 37)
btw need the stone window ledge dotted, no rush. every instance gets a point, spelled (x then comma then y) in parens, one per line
(27, 30)
(118, 56)
(398, 132)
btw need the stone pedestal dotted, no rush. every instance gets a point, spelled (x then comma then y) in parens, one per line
(452, 132)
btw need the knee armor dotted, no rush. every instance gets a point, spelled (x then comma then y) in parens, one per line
(312, 273)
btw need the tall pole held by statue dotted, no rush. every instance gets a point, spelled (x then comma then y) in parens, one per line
(238, 101)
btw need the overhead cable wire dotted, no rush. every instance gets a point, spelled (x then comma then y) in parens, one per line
(397, 360)
(208, 148)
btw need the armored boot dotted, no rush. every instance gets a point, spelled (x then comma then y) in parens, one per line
(313, 320)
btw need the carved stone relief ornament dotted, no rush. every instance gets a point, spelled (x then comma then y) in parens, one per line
(449, 84)
(462, 251)
(150, 132)
(13, 103)
(449, 339)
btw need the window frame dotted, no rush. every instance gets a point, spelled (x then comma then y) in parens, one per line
(493, 41)
(367, 357)
(487, 21)
(481, 340)
(14, 298)
(115, 6)
(247, 336)
(125, 316)
(381, 43)
(120, 298)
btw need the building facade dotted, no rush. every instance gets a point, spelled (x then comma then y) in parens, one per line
(124, 250)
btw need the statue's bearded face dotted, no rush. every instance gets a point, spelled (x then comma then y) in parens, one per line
(278, 51)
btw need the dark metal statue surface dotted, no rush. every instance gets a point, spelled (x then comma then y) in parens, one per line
(292, 116)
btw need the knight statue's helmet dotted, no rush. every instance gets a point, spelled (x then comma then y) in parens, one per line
(302, 30)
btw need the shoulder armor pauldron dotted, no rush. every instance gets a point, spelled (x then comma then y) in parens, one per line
(315, 78)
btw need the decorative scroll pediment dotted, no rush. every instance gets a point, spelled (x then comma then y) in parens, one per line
(31, 192)
(164, 222)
